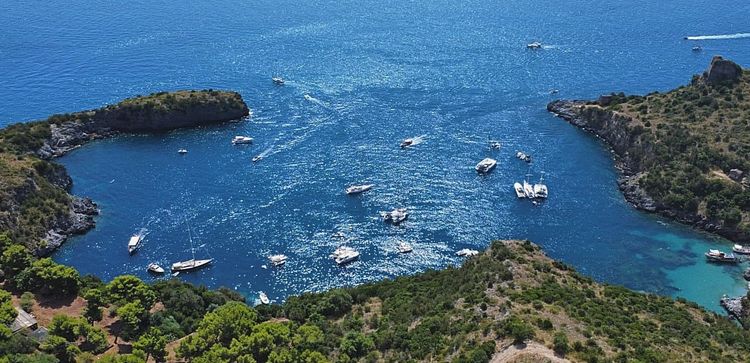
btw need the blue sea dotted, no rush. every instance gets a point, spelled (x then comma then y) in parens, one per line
(362, 76)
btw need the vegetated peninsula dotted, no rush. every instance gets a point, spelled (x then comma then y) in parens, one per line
(35, 206)
(684, 153)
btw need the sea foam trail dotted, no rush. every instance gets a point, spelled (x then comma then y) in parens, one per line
(716, 37)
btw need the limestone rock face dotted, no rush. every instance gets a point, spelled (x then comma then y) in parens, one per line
(722, 70)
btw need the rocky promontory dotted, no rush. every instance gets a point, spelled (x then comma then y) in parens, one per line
(683, 153)
(35, 204)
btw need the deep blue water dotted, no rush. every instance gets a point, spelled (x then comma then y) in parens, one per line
(361, 76)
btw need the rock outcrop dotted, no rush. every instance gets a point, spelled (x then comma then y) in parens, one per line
(722, 70)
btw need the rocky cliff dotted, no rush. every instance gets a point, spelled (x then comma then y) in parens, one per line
(679, 153)
(35, 205)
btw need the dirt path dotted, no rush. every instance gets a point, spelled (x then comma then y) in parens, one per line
(531, 352)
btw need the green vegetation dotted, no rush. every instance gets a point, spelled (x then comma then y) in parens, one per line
(687, 141)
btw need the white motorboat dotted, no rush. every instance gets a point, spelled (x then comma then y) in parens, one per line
(348, 256)
(697, 48)
(719, 256)
(534, 45)
(466, 252)
(404, 247)
(486, 165)
(242, 140)
(257, 158)
(407, 142)
(523, 156)
(519, 190)
(192, 263)
(495, 145)
(540, 189)
(356, 189)
(263, 298)
(153, 267)
(134, 243)
(341, 250)
(278, 80)
(744, 250)
(278, 260)
(396, 216)
(182, 151)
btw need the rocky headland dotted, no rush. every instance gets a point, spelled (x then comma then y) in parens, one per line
(683, 153)
(36, 205)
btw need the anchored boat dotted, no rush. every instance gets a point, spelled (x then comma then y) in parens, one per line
(486, 165)
(519, 190)
(134, 243)
(192, 263)
(404, 247)
(719, 256)
(396, 216)
(264, 298)
(278, 80)
(356, 189)
(278, 260)
(540, 189)
(242, 140)
(153, 267)
(344, 255)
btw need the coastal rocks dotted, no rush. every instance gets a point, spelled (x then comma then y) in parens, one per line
(722, 70)
(734, 306)
(79, 220)
(634, 194)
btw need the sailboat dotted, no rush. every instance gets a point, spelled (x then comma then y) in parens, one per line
(528, 189)
(540, 189)
(192, 263)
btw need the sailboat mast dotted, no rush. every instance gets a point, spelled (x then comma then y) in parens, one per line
(190, 237)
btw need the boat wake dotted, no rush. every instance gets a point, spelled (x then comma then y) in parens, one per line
(719, 37)
(419, 139)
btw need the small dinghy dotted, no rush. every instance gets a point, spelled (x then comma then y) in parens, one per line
(264, 298)
(237, 140)
(153, 267)
(534, 45)
(404, 247)
(278, 260)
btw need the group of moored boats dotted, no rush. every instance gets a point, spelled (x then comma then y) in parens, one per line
(136, 241)
(527, 190)
(723, 257)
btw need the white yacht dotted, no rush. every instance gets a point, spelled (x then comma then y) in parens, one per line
(182, 151)
(356, 189)
(743, 250)
(519, 190)
(534, 45)
(278, 80)
(404, 247)
(192, 263)
(407, 142)
(153, 267)
(278, 260)
(134, 243)
(242, 140)
(528, 189)
(486, 165)
(350, 255)
(264, 298)
(540, 189)
(466, 252)
(396, 216)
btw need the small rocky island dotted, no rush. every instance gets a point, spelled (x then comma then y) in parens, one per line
(36, 205)
(684, 153)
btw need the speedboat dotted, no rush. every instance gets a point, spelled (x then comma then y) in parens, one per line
(277, 260)
(495, 145)
(486, 165)
(540, 189)
(407, 142)
(519, 190)
(242, 140)
(744, 250)
(356, 189)
(263, 298)
(134, 243)
(404, 247)
(719, 256)
(697, 48)
(523, 156)
(153, 267)
(278, 80)
(347, 256)
(191, 264)
(396, 216)
(257, 158)
(466, 252)
(182, 151)
(534, 45)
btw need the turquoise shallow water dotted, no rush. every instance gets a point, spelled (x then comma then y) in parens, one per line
(361, 77)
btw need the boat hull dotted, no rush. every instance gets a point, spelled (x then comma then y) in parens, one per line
(190, 265)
